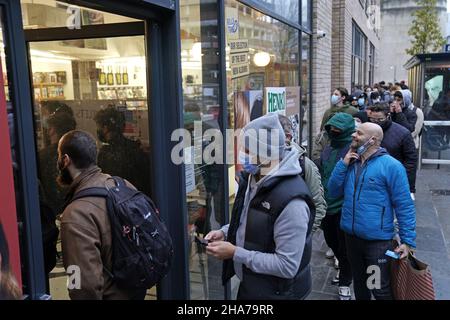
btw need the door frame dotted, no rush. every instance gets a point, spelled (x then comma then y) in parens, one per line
(161, 18)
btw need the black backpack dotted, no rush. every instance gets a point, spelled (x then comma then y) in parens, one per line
(142, 246)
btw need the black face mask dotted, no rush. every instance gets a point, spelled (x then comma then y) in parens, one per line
(334, 134)
(101, 136)
(385, 124)
(64, 178)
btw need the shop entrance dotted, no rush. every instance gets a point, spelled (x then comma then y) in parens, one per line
(88, 71)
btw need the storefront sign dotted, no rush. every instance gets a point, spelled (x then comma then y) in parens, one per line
(275, 100)
(232, 23)
(238, 58)
(238, 46)
(240, 70)
(8, 218)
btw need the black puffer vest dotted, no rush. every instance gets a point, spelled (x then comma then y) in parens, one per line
(273, 196)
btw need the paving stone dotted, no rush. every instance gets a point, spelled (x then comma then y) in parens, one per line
(441, 288)
(438, 262)
(430, 239)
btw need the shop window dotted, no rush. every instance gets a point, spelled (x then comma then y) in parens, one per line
(98, 85)
(288, 9)
(200, 63)
(53, 14)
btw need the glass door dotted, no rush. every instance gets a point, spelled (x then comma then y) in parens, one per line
(88, 71)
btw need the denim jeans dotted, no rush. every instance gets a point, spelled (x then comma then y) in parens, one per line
(363, 254)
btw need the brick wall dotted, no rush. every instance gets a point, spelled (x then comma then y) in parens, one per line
(321, 61)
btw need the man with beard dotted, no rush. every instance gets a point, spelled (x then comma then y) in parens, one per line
(373, 185)
(85, 228)
(397, 140)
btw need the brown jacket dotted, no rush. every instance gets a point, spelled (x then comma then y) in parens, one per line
(86, 240)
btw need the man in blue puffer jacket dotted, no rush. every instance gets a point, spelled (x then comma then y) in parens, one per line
(374, 185)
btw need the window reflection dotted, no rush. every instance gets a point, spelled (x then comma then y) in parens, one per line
(204, 182)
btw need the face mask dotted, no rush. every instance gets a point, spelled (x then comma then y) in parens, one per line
(357, 123)
(247, 165)
(101, 136)
(363, 149)
(334, 134)
(64, 178)
(361, 102)
(335, 99)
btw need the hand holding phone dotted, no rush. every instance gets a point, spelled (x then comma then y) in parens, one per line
(201, 241)
(351, 156)
(393, 254)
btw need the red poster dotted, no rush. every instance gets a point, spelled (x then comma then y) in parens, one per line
(8, 217)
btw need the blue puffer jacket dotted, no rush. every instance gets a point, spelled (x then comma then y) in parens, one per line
(372, 196)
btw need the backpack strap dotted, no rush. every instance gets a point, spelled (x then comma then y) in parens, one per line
(89, 192)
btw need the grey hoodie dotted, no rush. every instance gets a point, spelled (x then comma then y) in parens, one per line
(289, 230)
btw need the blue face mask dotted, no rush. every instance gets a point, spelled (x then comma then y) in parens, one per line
(335, 99)
(247, 165)
(361, 102)
(363, 149)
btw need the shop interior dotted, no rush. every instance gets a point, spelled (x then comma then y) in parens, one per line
(86, 74)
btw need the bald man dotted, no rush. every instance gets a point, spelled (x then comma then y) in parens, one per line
(373, 184)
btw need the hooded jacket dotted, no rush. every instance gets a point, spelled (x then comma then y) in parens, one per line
(337, 149)
(407, 118)
(346, 108)
(314, 182)
(372, 192)
(290, 235)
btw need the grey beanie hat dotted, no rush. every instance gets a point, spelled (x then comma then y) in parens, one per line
(265, 137)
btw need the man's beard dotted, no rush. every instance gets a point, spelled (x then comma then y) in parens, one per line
(64, 178)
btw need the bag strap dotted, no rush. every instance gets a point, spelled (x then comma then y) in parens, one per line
(90, 192)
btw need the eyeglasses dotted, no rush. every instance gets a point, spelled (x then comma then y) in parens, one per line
(377, 120)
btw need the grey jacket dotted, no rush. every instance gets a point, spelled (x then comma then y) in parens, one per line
(289, 230)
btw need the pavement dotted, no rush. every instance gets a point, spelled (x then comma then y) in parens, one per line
(433, 237)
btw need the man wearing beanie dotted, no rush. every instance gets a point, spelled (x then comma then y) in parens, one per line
(268, 241)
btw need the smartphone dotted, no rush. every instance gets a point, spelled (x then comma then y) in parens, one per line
(393, 254)
(201, 241)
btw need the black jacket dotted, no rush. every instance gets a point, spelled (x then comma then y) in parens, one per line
(399, 143)
(407, 118)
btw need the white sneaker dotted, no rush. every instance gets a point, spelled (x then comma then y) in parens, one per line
(335, 280)
(329, 254)
(413, 197)
(345, 293)
(336, 263)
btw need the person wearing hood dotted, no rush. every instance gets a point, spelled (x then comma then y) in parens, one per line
(272, 196)
(375, 188)
(340, 129)
(398, 141)
(400, 111)
(420, 118)
(310, 173)
(340, 103)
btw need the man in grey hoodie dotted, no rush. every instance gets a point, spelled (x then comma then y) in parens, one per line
(268, 241)
(400, 111)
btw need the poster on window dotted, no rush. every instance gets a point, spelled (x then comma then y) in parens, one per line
(275, 100)
(10, 275)
(293, 110)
